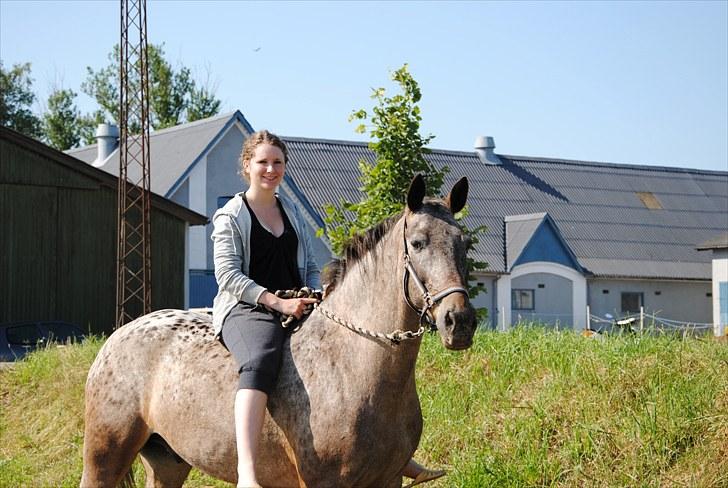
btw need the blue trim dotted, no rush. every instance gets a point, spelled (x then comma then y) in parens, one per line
(221, 201)
(237, 116)
(547, 244)
(203, 288)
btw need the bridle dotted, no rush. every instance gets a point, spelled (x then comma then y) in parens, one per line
(429, 299)
(424, 313)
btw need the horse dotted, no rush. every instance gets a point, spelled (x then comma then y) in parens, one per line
(345, 410)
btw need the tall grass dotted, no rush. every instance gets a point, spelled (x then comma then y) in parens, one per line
(539, 408)
(526, 408)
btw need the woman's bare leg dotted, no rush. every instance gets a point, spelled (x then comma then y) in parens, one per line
(249, 417)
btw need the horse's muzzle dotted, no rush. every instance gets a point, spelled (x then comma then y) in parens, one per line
(456, 322)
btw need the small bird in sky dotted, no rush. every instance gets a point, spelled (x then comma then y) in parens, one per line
(256, 49)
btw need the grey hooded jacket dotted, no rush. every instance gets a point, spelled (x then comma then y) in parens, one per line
(231, 238)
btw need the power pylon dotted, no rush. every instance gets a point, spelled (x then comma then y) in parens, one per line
(134, 253)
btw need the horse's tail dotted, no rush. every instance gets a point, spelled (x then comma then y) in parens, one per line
(128, 481)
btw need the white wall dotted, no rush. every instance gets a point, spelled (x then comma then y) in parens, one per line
(676, 300)
(553, 301)
(720, 274)
(198, 235)
(486, 299)
(578, 290)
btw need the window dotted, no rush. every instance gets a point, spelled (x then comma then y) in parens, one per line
(632, 301)
(649, 200)
(522, 300)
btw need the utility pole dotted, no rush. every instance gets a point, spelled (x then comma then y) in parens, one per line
(134, 253)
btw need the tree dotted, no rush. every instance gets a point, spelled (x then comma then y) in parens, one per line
(202, 104)
(173, 95)
(62, 122)
(400, 154)
(16, 98)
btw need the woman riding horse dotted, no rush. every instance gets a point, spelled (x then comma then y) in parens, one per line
(261, 245)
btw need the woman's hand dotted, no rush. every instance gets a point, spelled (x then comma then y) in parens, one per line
(286, 306)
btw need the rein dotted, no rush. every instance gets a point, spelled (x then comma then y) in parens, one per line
(424, 313)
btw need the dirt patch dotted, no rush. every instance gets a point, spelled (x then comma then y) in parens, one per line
(4, 366)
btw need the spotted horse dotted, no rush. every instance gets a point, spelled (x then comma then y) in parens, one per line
(345, 411)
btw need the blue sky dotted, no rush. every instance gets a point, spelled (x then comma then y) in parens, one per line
(624, 82)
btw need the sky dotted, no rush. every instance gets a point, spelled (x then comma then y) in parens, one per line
(622, 82)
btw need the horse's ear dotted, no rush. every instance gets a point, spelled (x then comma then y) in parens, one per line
(416, 193)
(458, 195)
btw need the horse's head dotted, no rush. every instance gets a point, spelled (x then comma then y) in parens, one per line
(437, 249)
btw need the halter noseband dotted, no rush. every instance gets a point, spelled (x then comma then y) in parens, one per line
(430, 300)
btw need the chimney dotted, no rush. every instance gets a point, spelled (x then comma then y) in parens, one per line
(484, 147)
(107, 137)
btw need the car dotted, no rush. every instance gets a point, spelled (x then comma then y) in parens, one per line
(20, 338)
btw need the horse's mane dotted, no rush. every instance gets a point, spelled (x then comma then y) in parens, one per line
(357, 247)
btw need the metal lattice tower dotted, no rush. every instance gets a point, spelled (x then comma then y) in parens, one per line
(134, 263)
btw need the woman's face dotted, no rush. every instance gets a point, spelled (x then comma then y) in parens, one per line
(266, 168)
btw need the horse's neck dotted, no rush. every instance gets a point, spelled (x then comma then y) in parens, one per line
(370, 296)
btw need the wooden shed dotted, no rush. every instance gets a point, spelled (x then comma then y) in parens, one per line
(58, 239)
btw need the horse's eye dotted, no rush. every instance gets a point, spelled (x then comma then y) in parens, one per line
(418, 245)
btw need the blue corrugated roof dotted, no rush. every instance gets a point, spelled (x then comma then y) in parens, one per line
(595, 205)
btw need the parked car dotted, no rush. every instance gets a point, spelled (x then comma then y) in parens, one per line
(19, 338)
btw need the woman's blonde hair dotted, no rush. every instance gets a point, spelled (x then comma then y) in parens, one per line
(255, 140)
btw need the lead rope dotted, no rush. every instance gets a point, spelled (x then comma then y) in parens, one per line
(287, 321)
(395, 337)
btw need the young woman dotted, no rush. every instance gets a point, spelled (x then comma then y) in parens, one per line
(260, 246)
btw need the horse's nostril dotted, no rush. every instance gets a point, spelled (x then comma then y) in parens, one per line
(449, 320)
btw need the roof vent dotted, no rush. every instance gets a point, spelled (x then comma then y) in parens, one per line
(484, 147)
(107, 137)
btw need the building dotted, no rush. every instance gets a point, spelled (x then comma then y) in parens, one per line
(58, 245)
(719, 246)
(561, 234)
(196, 166)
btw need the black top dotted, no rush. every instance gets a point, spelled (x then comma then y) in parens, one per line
(273, 260)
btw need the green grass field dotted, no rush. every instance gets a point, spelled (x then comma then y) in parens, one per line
(524, 408)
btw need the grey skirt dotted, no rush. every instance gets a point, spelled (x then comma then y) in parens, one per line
(255, 339)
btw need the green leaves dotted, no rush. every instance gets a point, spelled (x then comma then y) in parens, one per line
(174, 96)
(400, 151)
(62, 121)
(394, 129)
(16, 99)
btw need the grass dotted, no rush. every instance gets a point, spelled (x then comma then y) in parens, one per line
(526, 408)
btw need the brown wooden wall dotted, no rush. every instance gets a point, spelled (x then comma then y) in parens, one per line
(58, 245)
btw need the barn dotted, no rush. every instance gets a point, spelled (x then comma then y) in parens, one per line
(58, 245)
